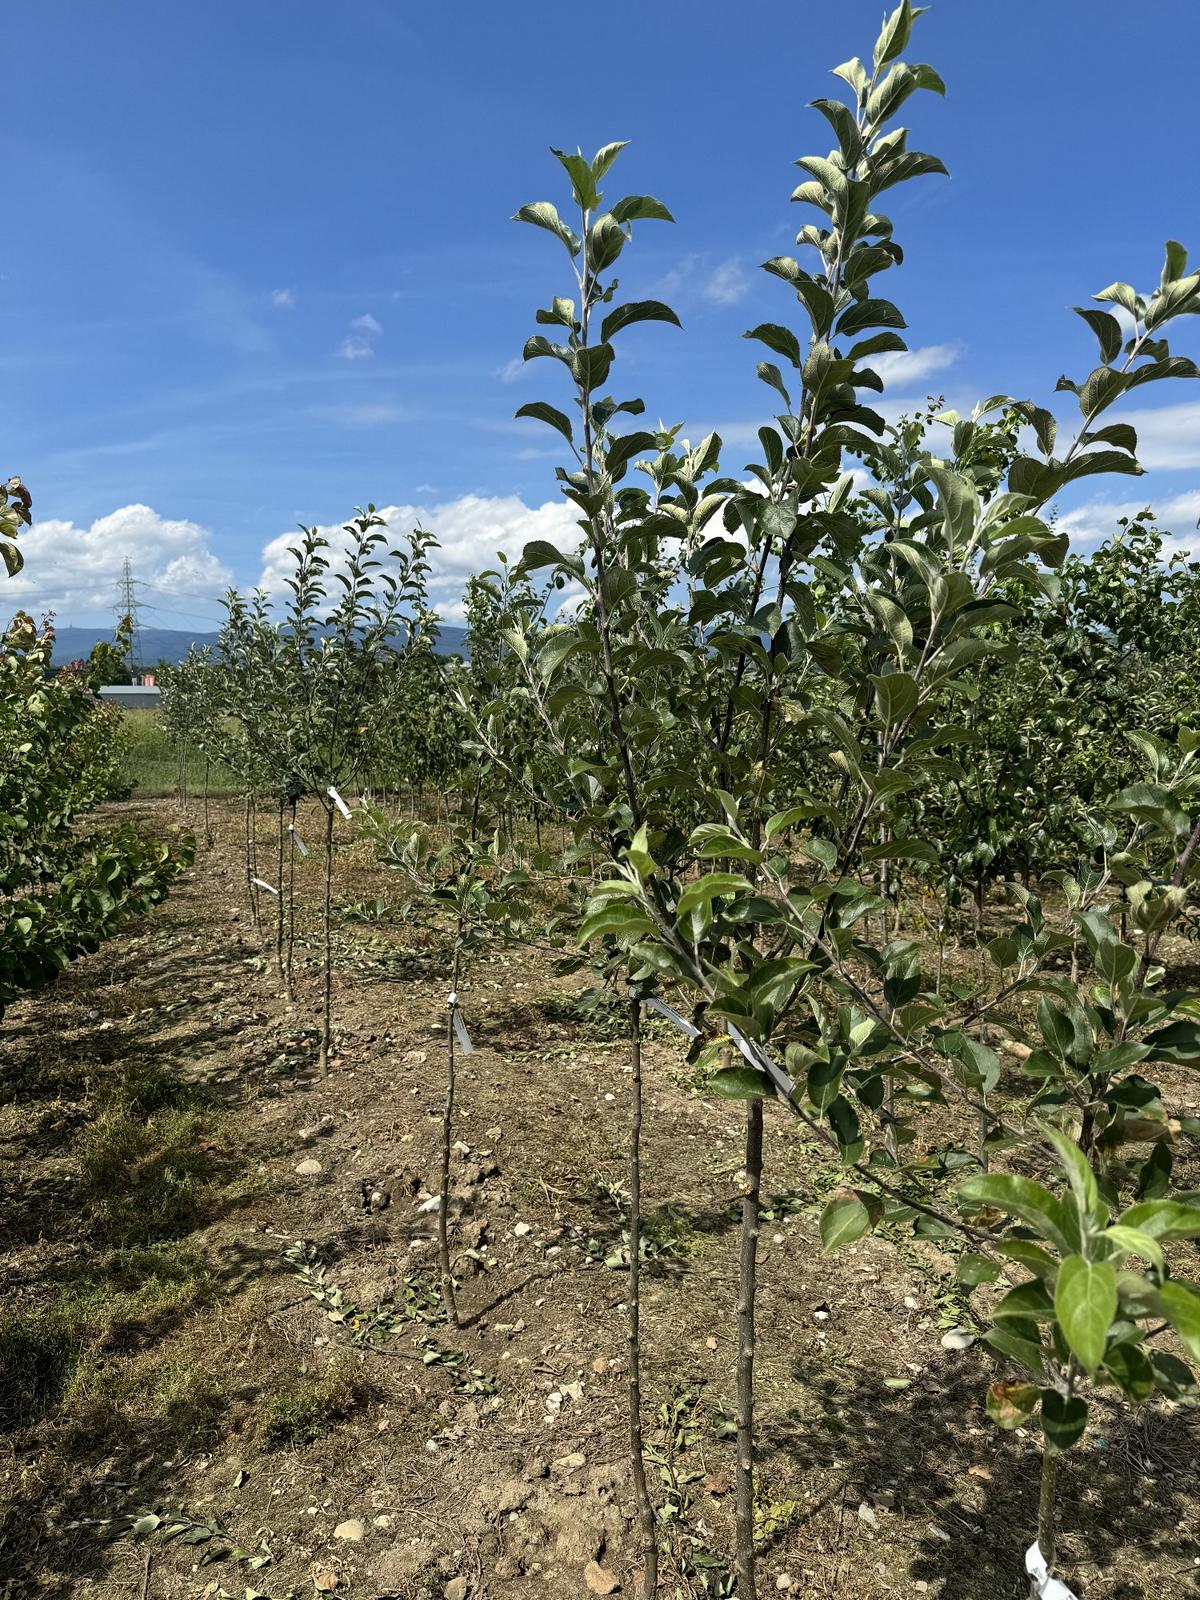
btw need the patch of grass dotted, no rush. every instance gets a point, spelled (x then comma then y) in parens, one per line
(146, 1090)
(146, 1178)
(60, 1353)
(299, 1415)
(148, 766)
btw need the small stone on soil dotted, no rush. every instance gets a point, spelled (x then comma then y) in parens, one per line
(599, 1579)
(355, 1530)
(957, 1339)
(309, 1169)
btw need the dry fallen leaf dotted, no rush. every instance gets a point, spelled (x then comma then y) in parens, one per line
(717, 1483)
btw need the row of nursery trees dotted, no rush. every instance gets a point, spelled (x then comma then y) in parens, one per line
(68, 880)
(812, 714)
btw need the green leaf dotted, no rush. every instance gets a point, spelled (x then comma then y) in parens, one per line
(1132, 1241)
(1079, 1174)
(739, 1083)
(870, 314)
(1181, 1303)
(843, 1220)
(539, 553)
(542, 412)
(1023, 1198)
(896, 697)
(711, 886)
(1011, 1403)
(622, 920)
(1163, 1219)
(605, 156)
(975, 1269)
(640, 208)
(636, 311)
(1107, 330)
(1130, 1370)
(1063, 1420)
(782, 340)
(895, 33)
(583, 184)
(542, 214)
(1085, 1302)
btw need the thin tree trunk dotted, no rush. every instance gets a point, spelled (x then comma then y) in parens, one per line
(1047, 1531)
(449, 1299)
(637, 1453)
(251, 891)
(279, 906)
(747, 1289)
(208, 838)
(327, 946)
(291, 908)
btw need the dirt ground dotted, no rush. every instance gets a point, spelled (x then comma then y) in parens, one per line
(202, 1336)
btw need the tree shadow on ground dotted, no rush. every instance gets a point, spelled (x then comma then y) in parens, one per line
(928, 1454)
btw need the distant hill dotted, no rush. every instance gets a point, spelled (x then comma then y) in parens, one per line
(172, 644)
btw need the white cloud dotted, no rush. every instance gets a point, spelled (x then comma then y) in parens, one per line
(1168, 436)
(910, 366)
(513, 370)
(696, 277)
(470, 531)
(72, 570)
(283, 299)
(367, 324)
(727, 285)
(352, 349)
(1097, 519)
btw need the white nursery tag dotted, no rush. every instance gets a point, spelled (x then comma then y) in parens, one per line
(1048, 1586)
(664, 1010)
(297, 840)
(459, 1026)
(263, 885)
(761, 1062)
(338, 802)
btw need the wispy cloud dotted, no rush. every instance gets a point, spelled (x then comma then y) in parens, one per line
(728, 284)
(359, 343)
(910, 366)
(355, 349)
(283, 299)
(1168, 436)
(512, 370)
(1097, 519)
(697, 277)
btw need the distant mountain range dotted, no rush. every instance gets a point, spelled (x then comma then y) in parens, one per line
(172, 644)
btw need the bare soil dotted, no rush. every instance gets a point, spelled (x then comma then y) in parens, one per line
(163, 1355)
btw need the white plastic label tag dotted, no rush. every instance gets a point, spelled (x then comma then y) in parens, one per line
(264, 885)
(761, 1062)
(457, 1023)
(1048, 1586)
(664, 1010)
(338, 802)
(297, 840)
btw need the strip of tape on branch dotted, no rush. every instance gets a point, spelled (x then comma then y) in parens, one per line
(297, 840)
(263, 884)
(460, 1028)
(672, 1016)
(338, 802)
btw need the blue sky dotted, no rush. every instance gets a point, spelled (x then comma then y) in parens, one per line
(261, 267)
